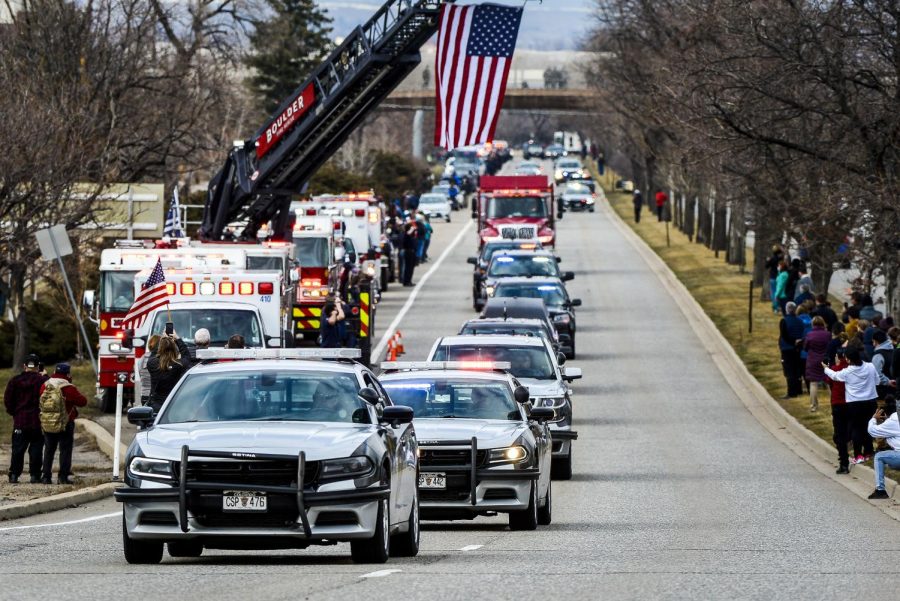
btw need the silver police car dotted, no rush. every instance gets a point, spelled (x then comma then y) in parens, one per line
(263, 451)
(482, 449)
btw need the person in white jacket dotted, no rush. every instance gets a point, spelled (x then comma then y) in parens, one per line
(888, 429)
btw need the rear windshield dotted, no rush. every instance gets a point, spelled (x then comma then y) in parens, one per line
(552, 295)
(527, 361)
(460, 398)
(506, 266)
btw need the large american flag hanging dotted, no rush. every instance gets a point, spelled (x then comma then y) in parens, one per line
(475, 48)
(153, 294)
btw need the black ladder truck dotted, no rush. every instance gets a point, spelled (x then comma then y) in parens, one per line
(262, 174)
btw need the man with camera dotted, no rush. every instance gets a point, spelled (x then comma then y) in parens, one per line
(22, 401)
(888, 428)
(333, 329)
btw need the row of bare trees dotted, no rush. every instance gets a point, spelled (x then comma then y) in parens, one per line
(784, 112)
(104, 91)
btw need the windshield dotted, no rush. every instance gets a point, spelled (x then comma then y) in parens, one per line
(221, 323)
(527, 361)
(117, 291)
(265, 263)
(568, 165)
(503, 329)
(493, 247)
(465, 398)
(266, 396)
(528, 206)
(507, 266)
(552, 294)
(577, 189)
(432, 199)
(312, 252)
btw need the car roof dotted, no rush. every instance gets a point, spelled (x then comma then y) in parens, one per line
(255, 365)
(492, 340)
(523, 321)
(445, 373)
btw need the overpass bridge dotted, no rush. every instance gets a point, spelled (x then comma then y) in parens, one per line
(556, 101)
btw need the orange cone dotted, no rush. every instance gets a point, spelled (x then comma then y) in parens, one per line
(398, 337)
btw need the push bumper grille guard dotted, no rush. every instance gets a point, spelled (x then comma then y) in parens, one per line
(304, 499)
(476, 475)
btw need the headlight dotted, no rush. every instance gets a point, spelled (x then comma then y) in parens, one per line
(350, 467)
(489, 290)
(545, 239)
(513, 454)
(554, 402)
(562, 318)
(145, 467)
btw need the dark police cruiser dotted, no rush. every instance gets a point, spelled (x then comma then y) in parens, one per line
(482, 448)
(537, 367)
(271, 453)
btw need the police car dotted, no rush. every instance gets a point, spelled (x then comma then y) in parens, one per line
(272, 453)
(535, 366)
(519, 263)
(483, 449)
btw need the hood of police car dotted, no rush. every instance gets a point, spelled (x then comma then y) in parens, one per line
(491, 433)
(319, 440)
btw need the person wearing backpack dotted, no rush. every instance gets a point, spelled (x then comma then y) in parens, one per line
(59, 402)
(21, 399)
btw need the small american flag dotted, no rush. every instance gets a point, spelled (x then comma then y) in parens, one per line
(474, 53)
(153, 294)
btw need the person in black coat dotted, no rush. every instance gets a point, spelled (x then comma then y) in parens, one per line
(166, 367)
(409, 244)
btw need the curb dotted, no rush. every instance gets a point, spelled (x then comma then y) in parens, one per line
(57, 502)
(105, 441)
(772, 416)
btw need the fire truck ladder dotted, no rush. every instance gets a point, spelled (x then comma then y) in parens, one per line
(348, 85)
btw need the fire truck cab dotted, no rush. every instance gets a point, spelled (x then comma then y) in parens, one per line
(516, 206)
(319, 249)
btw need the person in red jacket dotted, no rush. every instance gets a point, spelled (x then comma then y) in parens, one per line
(840, 415)
(661, 198)
(65, 440)
(22, 398)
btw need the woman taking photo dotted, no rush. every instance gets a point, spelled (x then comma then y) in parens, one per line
(166, 367)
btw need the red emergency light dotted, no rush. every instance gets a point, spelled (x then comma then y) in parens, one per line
(360, 212)
(311, 212)
(265, 288)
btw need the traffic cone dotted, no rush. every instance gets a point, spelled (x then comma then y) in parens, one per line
(391, 350)
(398, 336)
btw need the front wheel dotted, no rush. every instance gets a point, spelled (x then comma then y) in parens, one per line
(406, 544)
(526, 519)
(447, 218)
(378, 548)
(106, 401)
(561, 468)
(140, 551)
(545, 513)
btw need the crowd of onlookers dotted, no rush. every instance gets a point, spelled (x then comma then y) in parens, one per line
(854, 356)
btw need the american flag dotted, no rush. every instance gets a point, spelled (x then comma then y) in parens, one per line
(172, 228)
(153, 294)
(475, 48)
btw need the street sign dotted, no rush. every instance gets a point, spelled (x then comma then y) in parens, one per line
(54, 242)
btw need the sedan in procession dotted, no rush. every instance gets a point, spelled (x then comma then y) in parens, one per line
(518, 263)
(435, 204)
(483, 449)
(578, 196)
(264, 451)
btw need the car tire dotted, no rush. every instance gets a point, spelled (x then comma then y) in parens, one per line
(526, 519)
(378, 548)
(561, 468)
(545, 513)
(406, 544)
(140, 551)
(384, 279)
(571, 353)
(185, 548)
(591, 209)
(447, 218)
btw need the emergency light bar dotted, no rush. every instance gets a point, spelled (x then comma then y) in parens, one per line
(279, 353)
(461, 365)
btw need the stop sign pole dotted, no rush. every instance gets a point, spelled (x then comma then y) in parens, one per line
(54, 244)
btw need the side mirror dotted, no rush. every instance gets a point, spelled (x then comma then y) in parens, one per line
(575, 302)
(397, 414)
(521, 394)
(571, 373)
(87, 300)
(138, 342)
(559, 259)
(273, 341)
(568, 275)
(369, 395)
(541, 414)
(140, 416)
(472, 260)
(294, 275)
(561, 358)
(128, 339)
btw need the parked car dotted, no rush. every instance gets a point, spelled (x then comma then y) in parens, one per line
(436, 204)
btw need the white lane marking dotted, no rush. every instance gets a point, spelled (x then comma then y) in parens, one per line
(81, 521)
(382, 344)
(380, 573)
(471, 547)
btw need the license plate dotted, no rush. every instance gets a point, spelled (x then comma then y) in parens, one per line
(238, 500)
(431, 480)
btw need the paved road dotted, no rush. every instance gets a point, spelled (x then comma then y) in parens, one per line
(678, 492)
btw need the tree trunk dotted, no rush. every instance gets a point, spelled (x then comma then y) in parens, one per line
(689, 217)
(17, 276)
(892, 288)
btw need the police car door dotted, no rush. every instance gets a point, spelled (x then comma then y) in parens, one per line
(400, 442)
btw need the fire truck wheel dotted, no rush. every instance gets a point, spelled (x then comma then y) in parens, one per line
(106, 402)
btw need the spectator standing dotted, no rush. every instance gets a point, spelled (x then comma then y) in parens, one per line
(22, 402)
(408, 246)
(816, 345)
(781, 295)
(824, 310)
(888, 429)
(429, 230)
(840, 415)
(804, 294)
(883, 360)
(894, 335)
(661, 198)
(838, 338)
(201, 342)
(638, 200)
(790, 333)
(772, 264)
(70, 398)
(172, 359)
(332, 330)
(868, 342)
(860, 379)
(236, 342)
(143, 392)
